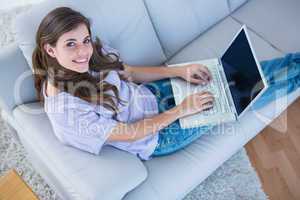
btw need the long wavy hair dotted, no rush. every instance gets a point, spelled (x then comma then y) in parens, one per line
(87, 86)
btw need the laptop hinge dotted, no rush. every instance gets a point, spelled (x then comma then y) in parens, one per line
(227, 90)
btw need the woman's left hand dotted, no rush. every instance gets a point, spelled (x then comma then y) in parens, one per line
(195, 73)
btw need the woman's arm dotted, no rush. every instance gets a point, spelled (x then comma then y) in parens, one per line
(144, 127)
(142, 74)
(194, 73)
(192, 104)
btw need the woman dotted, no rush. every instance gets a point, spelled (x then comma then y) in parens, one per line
(92, 99)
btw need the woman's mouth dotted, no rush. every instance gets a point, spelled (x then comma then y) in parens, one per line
(80, 61)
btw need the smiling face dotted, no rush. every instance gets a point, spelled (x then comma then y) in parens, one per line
(73, 49)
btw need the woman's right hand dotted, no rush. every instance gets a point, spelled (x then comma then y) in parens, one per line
(196, 102)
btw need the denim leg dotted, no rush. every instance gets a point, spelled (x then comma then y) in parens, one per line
(174, 138)
(163, 92)
(283, 77)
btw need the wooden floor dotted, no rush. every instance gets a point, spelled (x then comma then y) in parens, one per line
(275, 154)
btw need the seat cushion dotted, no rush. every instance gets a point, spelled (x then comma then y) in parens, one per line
(277, 21)
(183, 171)
(123, 25)
(73, 173)
(178, 22)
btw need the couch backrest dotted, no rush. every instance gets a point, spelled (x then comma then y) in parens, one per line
(235, 4)
(178, 22)
(124, 25)
(139, 29)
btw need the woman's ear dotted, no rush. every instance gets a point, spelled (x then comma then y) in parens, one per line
(50, 50)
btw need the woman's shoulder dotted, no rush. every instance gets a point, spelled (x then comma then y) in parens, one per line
(62, 99)
(63, 103)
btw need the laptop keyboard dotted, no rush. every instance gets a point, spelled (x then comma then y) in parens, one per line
(219, 112)
(214, 86)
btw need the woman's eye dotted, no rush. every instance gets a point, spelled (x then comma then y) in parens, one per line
(70, 44)
(87, 41)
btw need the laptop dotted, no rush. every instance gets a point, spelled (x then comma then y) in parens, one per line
(237, 82)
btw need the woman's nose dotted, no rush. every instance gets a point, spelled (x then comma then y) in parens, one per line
(82, 50)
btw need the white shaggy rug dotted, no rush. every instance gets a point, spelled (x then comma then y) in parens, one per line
(235, 179)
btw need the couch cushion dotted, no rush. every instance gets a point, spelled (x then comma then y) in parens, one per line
(178, 22)
(16, 79)
(215, 41)
(278, 21)
(78, 174)
(235, 4)
(183, 171)
(123, 25)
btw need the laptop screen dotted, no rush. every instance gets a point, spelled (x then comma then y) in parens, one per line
(242, 72)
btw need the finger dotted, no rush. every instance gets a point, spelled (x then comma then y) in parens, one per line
(202, 96)
(197, 81)
(206, 96)
(206, 100)
(204, 76)
(207, 106)
(205, 93)
(204, 69)
(199, 75)
(207, 73)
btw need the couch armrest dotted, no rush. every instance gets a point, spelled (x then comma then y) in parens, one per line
(16, 80)
(75, 174)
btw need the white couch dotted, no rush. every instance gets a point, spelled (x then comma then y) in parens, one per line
(146, 32)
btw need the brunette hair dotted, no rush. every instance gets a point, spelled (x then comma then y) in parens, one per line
(86, 86)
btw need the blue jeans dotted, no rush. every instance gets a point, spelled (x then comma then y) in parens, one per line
(283, 77)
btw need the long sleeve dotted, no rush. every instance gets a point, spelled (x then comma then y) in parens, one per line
(81, 127)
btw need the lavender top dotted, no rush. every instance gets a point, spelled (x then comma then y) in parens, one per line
(86, 126)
